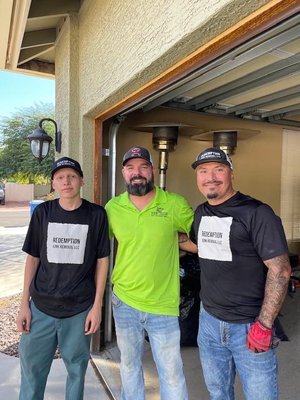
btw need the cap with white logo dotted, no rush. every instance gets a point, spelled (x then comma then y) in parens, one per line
(212, 155)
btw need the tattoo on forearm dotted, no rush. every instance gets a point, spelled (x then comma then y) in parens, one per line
(279, 272)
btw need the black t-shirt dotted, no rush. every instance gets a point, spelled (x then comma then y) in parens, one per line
(68, 244)
(233, 239)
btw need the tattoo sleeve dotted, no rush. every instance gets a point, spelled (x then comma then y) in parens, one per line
(279, 272)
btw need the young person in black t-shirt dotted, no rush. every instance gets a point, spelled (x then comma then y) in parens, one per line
(67, 248)
(245, 272)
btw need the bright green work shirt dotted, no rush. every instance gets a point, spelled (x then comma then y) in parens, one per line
(146, 271)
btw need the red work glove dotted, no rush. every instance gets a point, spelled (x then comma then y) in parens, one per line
(259, 338)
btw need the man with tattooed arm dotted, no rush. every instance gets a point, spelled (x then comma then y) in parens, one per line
(245, 272)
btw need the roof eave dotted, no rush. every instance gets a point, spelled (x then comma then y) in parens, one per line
(14, 14)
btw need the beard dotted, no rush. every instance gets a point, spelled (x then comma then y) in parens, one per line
(140, 189)
(211, 196)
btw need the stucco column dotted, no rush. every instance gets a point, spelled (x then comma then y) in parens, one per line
(67, 87)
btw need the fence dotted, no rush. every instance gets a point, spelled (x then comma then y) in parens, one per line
(29, 192)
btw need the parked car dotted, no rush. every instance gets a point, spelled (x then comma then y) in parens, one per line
(2, 194)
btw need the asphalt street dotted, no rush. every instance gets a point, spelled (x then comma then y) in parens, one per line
(13, 216)
(14, 219)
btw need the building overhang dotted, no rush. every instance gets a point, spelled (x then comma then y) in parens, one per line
(28, 33)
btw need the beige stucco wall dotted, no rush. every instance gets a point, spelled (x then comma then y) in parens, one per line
(114, 47)
(67, 86)
(77, 141)
(123, 45)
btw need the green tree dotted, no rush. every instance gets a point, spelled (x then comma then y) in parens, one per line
(16, 160)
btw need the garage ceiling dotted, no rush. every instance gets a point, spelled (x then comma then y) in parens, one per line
(259, 80)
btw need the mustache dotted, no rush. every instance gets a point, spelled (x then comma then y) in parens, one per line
(213, 181)
(137, 177)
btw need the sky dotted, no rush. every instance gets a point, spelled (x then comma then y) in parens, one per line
(21, 91)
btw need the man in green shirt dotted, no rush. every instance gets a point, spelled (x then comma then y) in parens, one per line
(145, 221)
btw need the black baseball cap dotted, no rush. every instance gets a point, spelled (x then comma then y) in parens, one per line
(66, 162)
(137, 152)
(212, 155)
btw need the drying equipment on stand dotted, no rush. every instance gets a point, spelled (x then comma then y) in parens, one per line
(164, 140)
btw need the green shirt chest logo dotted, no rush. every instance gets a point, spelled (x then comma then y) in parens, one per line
(159, 212)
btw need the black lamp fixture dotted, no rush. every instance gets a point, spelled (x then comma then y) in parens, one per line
(40, 140)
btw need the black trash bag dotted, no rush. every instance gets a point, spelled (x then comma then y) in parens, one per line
(189, 299)
(279, 331)
(189, 320)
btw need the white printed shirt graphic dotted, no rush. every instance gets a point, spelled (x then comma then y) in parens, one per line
(213, 238)
(66, 243)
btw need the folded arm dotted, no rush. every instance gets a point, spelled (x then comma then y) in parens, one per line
(186, 244)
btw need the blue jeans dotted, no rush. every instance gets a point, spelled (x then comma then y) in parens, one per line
(164, 337)
(223, 351)
(37, 349)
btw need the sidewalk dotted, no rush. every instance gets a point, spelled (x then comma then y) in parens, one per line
(10, 381)
(11, 282)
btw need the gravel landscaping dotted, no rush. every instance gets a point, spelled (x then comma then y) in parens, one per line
(9, 336)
